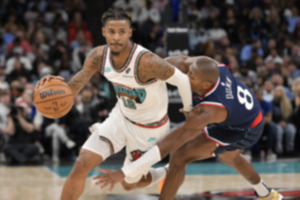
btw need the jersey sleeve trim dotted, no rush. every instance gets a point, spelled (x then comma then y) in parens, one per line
(103, 60)
(211, 103)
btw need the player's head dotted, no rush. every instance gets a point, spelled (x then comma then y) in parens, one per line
(203, 74)
(116, 29)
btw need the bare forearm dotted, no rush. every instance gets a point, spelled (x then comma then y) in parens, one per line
(91, 65)
(79, 80)
(175, 140)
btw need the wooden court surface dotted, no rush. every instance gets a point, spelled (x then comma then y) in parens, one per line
(40, 183)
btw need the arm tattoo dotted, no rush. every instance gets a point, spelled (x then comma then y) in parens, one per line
(154, 67)
(91, 65)
(79, 80)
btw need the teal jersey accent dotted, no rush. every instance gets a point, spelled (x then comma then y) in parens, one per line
(130, 96)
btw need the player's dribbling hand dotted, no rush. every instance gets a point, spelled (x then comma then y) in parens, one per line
(48, 78)
(109, 178)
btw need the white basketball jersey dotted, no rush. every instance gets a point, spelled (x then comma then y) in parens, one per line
(142, 103)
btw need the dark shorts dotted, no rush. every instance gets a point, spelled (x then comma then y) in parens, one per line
(230, 139)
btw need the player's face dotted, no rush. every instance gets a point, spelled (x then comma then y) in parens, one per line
(195, 80)
(199, 83)
(117, 34)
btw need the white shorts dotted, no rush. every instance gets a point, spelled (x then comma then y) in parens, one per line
(117, 132)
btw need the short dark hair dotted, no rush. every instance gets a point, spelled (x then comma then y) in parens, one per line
(115, 14)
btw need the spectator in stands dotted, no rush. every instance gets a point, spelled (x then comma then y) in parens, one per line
(207, 9)
(282, 110)
(20, 41)
(149, 14)
(278, 80)
(21, 147)
(293, 71)
(267, 141)
(132, 6)
(247, 50)
(274, 57)
(296, 103)
(6, 124)
(77, 24)
(17, 57)
(293, 20)
(231, 25)
(58, 135)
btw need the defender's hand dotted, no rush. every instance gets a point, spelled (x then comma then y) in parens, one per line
(109, 178)
(186, 113)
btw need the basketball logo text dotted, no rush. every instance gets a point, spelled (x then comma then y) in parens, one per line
(51, 92)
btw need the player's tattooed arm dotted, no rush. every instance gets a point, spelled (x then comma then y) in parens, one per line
(153, 67)
(179, 62)
(91, 65)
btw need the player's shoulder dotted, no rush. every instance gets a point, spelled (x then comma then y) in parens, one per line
(98, 50)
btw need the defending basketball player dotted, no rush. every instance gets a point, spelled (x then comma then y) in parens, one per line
(226, 119)
(139, 119)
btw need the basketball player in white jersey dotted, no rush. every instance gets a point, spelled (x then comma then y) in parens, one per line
(139, 119)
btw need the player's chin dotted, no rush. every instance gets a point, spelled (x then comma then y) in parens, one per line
(115, 52)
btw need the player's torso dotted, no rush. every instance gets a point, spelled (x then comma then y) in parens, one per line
(140, 102)
(241, 104)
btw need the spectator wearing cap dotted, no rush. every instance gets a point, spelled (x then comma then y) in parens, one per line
(17, 56)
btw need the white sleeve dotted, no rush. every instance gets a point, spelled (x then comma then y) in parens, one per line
(182, 82)
(151, 157)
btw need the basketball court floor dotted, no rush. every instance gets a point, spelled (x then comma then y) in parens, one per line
(204, 181)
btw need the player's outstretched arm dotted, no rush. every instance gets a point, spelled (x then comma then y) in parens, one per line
(152, 66)
(91, 65)
(198, 118)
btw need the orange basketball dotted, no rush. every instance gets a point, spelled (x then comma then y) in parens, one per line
(53, 99)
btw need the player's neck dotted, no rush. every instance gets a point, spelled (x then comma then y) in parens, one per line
(120, 59)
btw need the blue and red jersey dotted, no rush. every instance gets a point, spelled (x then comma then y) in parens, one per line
(243, 108)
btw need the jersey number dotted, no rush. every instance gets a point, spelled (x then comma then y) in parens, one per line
(129, 103)
(245, 97)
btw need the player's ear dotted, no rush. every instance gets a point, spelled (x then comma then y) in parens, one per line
(130, 32)
(103, 32)
(207, 85)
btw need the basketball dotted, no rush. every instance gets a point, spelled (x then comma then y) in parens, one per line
(53, 99)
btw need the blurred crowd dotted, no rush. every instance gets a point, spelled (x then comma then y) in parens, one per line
(259, 41)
